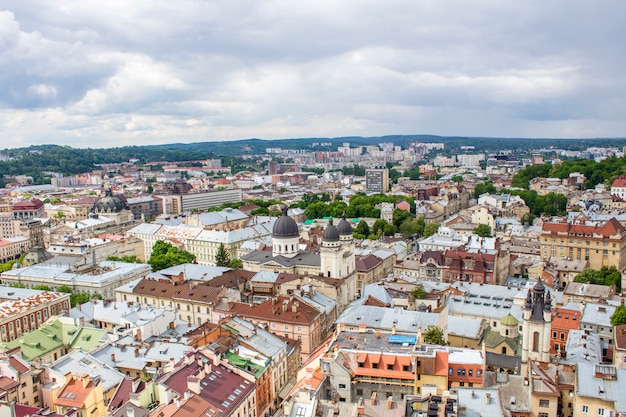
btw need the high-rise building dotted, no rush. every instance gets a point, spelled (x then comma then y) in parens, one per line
(377, 180)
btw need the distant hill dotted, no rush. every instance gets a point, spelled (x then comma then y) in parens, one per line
(37, 160)
(256, 146)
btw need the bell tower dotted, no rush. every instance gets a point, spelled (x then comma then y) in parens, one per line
(537, 317)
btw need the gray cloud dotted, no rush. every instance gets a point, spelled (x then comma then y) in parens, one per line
(113, 73)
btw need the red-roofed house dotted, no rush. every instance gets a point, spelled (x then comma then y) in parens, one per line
(26, 210)
(283, 316)
(618, 187)
(563, 320)
(81, 392)
(603, 245)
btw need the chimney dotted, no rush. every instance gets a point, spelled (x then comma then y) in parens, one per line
(136, 352)
(130, 411)
(393, 329)
(389, 403)
(342, 326)
(113, 357)
(373, 398)
(487, 398)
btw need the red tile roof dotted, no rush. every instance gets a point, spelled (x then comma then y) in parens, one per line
(610, 228)
(619, 181)
(199, 293)
(278, 309)
(367, 263)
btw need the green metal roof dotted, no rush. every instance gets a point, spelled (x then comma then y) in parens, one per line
(309, 222)
(509, 320)
(244, 364)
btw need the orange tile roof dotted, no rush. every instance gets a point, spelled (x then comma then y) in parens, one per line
(74, 393)
(563, 319)
(441, 363)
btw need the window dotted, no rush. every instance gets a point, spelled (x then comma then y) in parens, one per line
(299, 329)
(536, 342)
(286, 327)
(600, 411)
(342, 385)
(585, 409)
(359, 391)
(544, 403)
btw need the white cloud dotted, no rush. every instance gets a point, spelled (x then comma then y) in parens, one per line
(111, 73)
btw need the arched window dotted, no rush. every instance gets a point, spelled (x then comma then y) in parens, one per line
(504, 350)
(536, 342)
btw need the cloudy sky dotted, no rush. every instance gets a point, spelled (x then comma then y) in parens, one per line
(117, 72)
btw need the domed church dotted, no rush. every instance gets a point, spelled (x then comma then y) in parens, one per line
(335, 258)
(113, 207)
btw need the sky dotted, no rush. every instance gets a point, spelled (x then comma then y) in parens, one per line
(113, 73)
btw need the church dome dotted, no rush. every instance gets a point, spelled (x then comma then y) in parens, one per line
(343, 226)
(331, 234)
(109, 204)
(285, 226)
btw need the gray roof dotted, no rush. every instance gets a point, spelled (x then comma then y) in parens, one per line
(384, 318)
(196, 272)
(302, 258)
(598, 314)
(583, 347)
(111, 271)
(377, 291)
(465, 327)
(603, 389)
(474, 400)
(84, 363)
(255, 337)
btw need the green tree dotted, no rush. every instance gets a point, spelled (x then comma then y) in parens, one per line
(41, 287)
(604, 276)
(165, 255)
(222, 256)
(430, 229)
(419, 293)
(82, 298)
(362, 230)
(434, 336)
(381, 227)
(484, 187)
(126, 258)
(236, 263)
(457, 178)
(619, 316)
(64, 289)
(483, 230)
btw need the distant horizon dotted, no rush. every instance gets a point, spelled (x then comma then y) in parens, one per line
(337, 138)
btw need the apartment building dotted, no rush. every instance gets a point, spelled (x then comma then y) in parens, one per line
(601, 245)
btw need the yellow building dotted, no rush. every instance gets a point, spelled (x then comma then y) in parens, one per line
(598, 245)
(83, 393)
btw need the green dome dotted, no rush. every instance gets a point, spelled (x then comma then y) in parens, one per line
(509, 320)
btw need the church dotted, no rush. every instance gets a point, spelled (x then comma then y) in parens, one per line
(334, 261)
